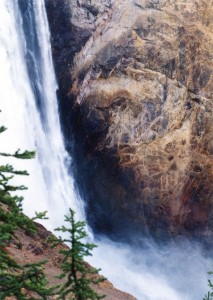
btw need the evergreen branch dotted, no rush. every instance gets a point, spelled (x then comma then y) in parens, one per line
(9, 169)
(40, 216)
(20, 155)
(2, 129)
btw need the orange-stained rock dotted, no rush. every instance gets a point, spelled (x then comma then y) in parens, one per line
(141, 98)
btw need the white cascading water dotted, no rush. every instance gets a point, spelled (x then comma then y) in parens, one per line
(29, 110)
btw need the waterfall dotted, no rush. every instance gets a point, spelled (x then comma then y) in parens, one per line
(29, 110)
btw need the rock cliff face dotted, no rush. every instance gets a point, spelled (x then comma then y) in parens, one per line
(136, 89)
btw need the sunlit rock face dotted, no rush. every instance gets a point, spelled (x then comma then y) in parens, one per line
(140, 100)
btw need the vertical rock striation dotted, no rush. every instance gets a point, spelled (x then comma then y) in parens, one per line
(136, 86)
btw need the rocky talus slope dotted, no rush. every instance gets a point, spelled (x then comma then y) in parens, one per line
(136, 90)
(36, 248)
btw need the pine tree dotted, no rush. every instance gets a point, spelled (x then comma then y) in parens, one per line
(79, 277)
(25, 282)
(209, 296)
(16, 280)
(29, 281)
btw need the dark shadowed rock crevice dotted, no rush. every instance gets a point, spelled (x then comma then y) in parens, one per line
(135, 86)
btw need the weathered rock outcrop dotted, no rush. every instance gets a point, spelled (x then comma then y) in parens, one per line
(138, 96)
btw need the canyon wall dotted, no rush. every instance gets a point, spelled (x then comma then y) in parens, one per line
(135, 92)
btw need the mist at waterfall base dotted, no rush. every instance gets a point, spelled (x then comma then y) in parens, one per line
(29, 111)
(175, 272)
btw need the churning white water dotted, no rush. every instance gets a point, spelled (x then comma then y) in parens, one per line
(29, 110)
(155, 273)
